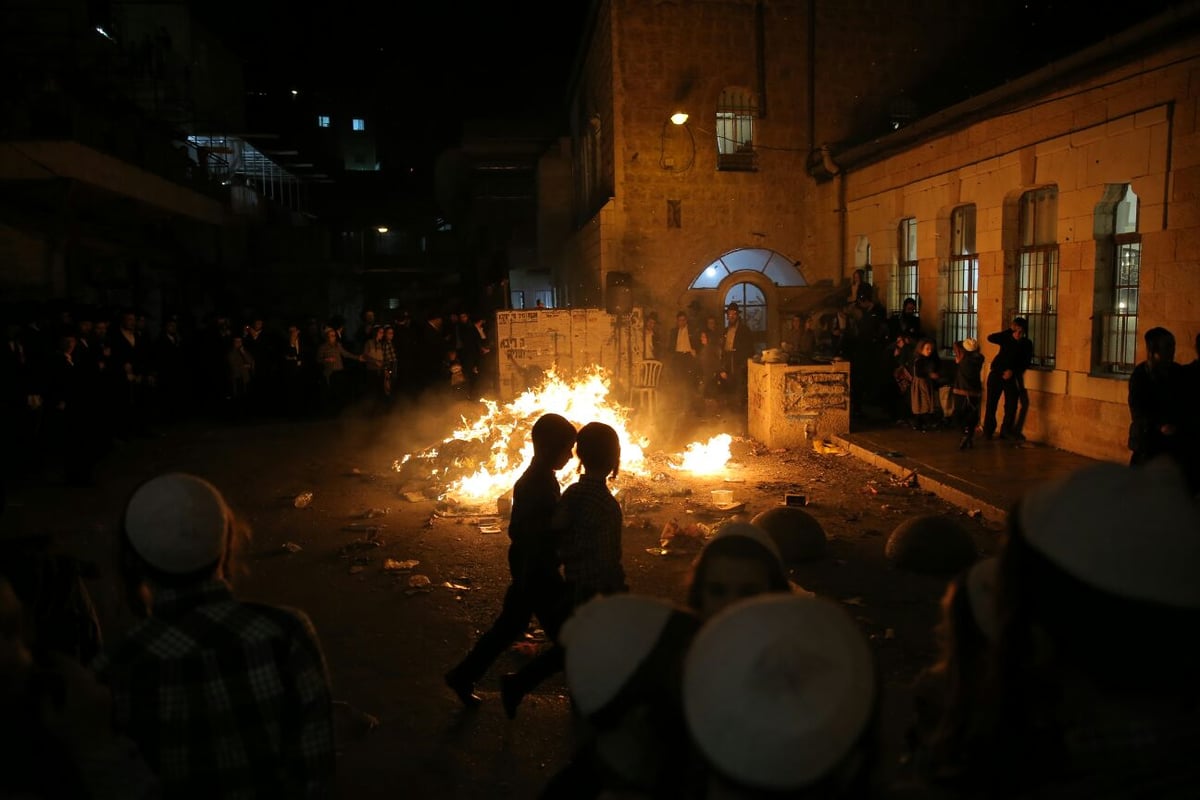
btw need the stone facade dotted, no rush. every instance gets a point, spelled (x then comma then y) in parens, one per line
(1132, 125)
(826, 189)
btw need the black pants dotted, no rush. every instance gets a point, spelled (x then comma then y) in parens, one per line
(1014, 392)
(542, 597)
(966, 414)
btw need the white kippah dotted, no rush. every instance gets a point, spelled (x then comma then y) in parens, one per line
(777, 689)
(1133, 532)
(177, 523)
(606, 640)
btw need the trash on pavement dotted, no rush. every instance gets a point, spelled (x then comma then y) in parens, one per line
(303, 500)
(418, 584)
(292, 547)
(392, 565)
(371, 513)
(825, 447)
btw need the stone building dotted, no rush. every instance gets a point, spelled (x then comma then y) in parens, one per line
(828, 136)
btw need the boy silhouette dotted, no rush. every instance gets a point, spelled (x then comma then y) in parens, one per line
(537, 586)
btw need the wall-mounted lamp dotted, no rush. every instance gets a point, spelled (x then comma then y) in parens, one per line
(382, 229)
(679, 117)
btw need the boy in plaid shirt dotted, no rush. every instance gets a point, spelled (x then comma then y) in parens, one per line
(224, 698)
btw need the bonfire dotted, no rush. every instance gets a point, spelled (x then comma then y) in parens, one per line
(478, 463)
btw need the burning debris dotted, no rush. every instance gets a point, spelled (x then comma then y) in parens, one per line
(478, 463)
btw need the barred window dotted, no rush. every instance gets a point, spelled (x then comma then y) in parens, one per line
(1118, 268)
(903, 283)
(960, 320)
(1037, 272)
(736, 110)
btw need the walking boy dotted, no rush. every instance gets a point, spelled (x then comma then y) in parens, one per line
(588, 520)
(537, 586)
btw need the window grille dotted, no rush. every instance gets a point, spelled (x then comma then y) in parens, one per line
(903, 283)
(1119, 343)
(1037, 272)
(960, 320)
(322, 120)
(358, 124)
(736, 111)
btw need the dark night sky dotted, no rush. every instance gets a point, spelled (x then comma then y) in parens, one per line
(448, 60)
(425, 68)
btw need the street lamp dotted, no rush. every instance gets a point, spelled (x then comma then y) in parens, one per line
(679, 117)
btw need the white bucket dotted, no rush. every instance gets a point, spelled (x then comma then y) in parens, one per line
(722, 497)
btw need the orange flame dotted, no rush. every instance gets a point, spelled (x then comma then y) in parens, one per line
(481, 460)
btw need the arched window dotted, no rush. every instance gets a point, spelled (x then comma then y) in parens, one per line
(960, 317)
(1117, 282)
(1037, 271)
(774, 266)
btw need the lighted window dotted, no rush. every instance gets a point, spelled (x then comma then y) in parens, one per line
(322, 120)
(903, 283)
(1118, 270)
(960, 319)
(736, 110)
(774, 266)
(358, 124)
(752, 308)
(1037, 271)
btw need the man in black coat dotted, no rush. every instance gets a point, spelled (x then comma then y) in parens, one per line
(1007, 378)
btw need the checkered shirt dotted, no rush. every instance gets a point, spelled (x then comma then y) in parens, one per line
(225, 698)
(589, 520)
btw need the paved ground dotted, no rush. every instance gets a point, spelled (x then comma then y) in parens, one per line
(990, 477)
(388, 644)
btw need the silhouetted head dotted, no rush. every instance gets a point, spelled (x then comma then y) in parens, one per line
(599, 449)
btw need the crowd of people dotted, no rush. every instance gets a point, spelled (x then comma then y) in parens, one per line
(704, 361)
(76, 380)
(1067, 653)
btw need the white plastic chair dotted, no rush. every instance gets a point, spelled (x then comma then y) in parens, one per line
(645, 388)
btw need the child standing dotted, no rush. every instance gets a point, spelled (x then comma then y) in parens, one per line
(537, 586)
(588, 520)
(968, 390)
(922, 393)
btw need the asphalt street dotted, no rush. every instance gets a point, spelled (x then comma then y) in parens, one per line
(391, 627)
